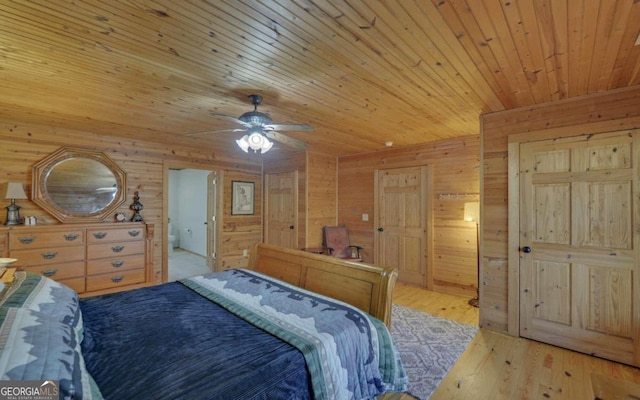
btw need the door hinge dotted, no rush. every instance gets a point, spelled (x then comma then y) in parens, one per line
(213, 218)
(214, 181)
(213, 255)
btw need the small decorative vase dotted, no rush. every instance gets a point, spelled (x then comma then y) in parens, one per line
(137, 207)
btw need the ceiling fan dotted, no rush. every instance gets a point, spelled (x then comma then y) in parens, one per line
(260, 128)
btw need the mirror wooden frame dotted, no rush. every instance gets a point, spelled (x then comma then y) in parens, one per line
(43, 168)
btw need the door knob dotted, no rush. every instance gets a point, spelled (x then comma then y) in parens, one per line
(290, 226)
(381, 229)
(526, 249)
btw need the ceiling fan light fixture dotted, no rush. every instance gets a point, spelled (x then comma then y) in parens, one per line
(266, 145)
(255, 118)
(260, 128)
(255, 141)
(243, 143)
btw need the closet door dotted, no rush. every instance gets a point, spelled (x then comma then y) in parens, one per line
(281, 209)
(402, 208)
(579, 244)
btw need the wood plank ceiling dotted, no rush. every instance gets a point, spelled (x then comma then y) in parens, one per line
(361, 72)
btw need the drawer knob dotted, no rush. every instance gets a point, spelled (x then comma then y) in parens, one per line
(117, 264)
(49, 272)
(134, 233)
(26, 239)
(71, 236)
(117, 249)
(100, 235)
(117, 279)
(49, 255)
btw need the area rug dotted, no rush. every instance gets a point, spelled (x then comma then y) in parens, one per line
(428, 347)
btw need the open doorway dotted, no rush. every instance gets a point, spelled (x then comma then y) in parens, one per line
(190, 214)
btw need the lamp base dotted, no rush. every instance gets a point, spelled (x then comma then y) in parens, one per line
(13, 214)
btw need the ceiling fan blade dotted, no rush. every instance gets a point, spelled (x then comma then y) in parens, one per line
(278, 137)
(288, 127)
(220, 131)
(232, 119)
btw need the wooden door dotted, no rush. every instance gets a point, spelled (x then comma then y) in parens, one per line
(281, 209)
(579, 244)
(402, 222)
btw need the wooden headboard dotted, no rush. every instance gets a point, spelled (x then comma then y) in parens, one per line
(366, 286)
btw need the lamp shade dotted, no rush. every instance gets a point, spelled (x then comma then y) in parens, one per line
(255, 141)
(472, 211)
(243, 143)
(13, 190)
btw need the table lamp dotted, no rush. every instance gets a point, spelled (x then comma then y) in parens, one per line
(13, 191)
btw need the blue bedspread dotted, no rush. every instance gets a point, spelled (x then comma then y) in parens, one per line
(235, 335)
(168, 342)
(349, 354)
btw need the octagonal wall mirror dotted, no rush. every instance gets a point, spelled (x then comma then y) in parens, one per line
(78, 185)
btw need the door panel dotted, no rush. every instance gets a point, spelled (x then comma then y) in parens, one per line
(551, 286)
(610, 310)
(553, 213)
(402, 215)
(577, 215)
(281, 209)
(606, 207)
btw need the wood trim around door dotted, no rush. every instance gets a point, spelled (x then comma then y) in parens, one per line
(173, 164)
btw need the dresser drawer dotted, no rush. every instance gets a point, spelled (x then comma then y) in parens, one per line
(115, 264)
(50, 239)
(115, 235)
(60, 271)
(49, 255)
(116, 249)
(107, 281)
(100, 257)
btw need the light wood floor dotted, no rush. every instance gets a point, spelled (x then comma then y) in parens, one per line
(498, 366)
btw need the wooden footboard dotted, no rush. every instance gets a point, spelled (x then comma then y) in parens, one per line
(366, 286)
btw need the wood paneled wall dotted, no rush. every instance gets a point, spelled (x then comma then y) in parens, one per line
(602, 112)
(23, 144)
(240, 232)
(317, 201)
(455, 166)
(322, 173)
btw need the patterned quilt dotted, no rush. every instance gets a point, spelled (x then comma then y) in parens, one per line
(40, 335)
(349, 354)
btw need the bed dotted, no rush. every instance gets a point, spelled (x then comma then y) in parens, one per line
(293, 325)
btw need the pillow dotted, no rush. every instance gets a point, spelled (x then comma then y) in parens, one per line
(36, 346)
(39, 293)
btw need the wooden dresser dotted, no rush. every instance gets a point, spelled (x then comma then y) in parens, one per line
(91, 258)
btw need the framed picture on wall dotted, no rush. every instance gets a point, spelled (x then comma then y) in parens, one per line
(242, 200)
